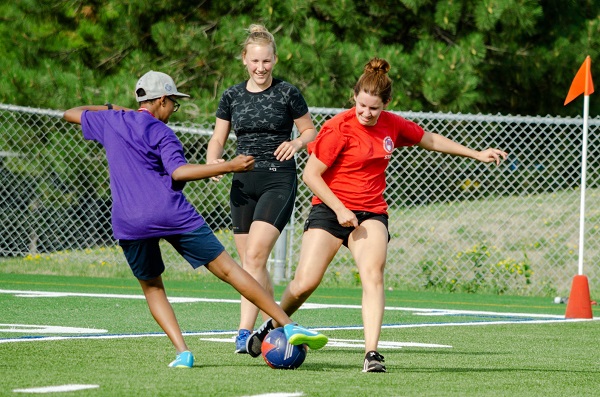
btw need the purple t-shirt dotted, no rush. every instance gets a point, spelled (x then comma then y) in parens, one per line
(142, 153)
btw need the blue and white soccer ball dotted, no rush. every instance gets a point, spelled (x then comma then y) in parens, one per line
(279, 354)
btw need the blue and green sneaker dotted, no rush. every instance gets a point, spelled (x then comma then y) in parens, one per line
(183, 360)
(298, 335)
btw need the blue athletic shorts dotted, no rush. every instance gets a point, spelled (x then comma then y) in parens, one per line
(323, 217)
(198, 247)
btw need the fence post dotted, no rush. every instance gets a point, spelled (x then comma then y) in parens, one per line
(280, 257)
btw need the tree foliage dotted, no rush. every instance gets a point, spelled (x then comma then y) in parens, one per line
(469, 56)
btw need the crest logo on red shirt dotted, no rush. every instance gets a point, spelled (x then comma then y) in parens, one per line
(388, 144)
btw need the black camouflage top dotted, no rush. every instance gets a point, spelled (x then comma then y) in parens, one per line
(263, 120)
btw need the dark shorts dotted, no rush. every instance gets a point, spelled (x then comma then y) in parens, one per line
(323, 217)
(262, 196)
(198, 247)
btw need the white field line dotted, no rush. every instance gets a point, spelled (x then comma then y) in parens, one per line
(353, 343)
(47, 294)
(430, 312)
(56, 389)
(278, 394)
(513, 318)
(212, 333)
(111, 336)
(48, 329)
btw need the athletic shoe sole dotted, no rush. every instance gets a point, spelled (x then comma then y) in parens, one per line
(297, 335)
(254, 342)
(374, 362)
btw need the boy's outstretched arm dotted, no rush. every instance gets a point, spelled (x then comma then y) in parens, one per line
(193, 172)
(74, 115)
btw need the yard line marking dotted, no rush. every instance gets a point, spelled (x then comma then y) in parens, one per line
(48, 329)
(56, 389)
(358, 343)
(416, 311)
(47, 294)
(432, 312)
(111, 336)
(462, 324)
(352, 327)
(509, 318)
(279, 394)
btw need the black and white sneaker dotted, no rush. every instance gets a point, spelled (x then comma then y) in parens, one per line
(254, 341)
(374, 362)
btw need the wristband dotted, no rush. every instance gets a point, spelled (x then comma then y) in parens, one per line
(109, 105)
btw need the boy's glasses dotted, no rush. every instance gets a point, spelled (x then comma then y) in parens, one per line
(175, 104)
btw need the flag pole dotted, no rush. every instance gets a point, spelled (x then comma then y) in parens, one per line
(586, 107)
(579, 303)
(582, 84)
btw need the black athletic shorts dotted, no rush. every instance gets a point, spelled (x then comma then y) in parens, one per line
(323, 217)
(262, 196)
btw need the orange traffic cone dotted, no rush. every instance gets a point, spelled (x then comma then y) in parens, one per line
(579, 304)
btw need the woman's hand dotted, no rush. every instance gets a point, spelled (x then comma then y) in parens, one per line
(346, 218)
(492, 155)
(287, 149)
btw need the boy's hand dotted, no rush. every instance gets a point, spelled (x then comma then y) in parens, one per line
(217, 178)
(242, 163)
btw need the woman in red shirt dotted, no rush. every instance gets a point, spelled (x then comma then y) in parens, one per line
(346, 173)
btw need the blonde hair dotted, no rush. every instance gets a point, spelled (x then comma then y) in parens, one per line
(258, 34)
(375, 80)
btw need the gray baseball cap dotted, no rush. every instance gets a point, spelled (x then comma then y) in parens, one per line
(155, 85)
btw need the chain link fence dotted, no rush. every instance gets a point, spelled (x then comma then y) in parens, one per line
(455, 224)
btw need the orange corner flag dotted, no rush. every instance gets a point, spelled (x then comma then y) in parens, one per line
(582, 83)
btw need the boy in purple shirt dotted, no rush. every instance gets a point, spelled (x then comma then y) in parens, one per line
(148, 171)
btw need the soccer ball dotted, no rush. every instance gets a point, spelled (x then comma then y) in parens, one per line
(279, 354)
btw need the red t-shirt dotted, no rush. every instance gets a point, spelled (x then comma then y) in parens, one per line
(357, 156)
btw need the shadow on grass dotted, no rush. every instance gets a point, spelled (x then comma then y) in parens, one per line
(450, 352)
(484, 370)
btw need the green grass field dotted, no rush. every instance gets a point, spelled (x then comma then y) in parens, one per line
(434, 344)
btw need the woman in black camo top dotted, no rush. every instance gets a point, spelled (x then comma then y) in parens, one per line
(262, 112)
